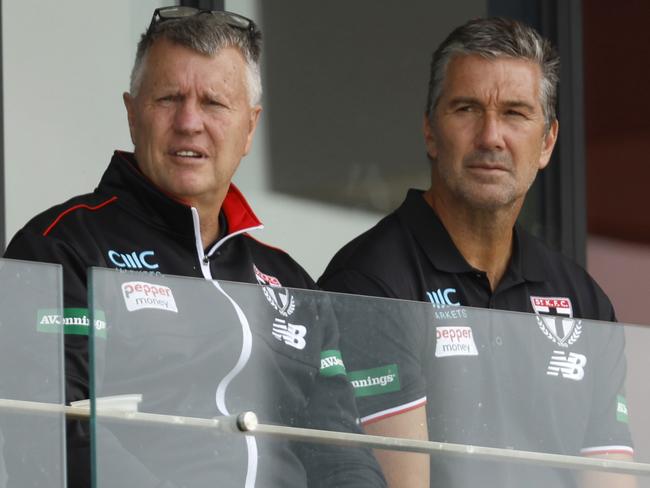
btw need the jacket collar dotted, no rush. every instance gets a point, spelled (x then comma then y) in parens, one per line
(441, 251)
(239, 215)
(139, 196)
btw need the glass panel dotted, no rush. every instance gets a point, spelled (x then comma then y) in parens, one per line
(511, 399)
(31, 370)
(543, 383)
(202, 349)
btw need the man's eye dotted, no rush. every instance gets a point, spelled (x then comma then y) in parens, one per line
(515, 113)
(167, 98)
(214, 103)
(465, 108)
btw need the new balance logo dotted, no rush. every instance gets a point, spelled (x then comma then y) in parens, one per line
(291, 334)
(442, 298)
(571, 367)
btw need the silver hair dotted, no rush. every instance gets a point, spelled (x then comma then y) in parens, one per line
(493, 38)
(205, 34)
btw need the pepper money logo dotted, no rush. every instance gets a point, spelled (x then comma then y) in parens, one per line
(139, 295)
(455, 341)
(280, 298)
(555, 319)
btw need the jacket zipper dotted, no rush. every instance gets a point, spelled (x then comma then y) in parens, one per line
(204, 259)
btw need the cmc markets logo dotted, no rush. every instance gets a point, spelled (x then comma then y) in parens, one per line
(134, 260)
(442, 298)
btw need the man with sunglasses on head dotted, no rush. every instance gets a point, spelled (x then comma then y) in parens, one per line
(193, 106)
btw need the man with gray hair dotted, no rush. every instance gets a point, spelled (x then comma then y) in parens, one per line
(170, 207)
(489, 127)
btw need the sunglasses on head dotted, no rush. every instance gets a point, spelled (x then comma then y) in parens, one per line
(227, 18)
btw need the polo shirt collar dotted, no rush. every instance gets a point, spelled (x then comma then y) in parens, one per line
(526, 256)
(431, 235)
(441, 251)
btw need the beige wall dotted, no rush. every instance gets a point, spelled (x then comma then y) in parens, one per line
(623, 270)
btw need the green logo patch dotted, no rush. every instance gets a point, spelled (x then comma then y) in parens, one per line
(375, 381)
(331, 363)
(75, 321)
(621, 409)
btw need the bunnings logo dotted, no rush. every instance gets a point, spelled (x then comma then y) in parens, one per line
(75, 321)
(375, 381)
(331, 363)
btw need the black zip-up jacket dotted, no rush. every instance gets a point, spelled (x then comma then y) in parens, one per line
(129, 224)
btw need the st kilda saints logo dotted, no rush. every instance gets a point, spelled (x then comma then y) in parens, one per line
(278, 296)
(555, 319)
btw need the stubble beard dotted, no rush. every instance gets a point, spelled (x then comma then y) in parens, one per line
(481, 192)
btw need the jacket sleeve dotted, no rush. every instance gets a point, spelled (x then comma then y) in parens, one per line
(382, 342)
(608, 428)
(29, 245)
(331, 407)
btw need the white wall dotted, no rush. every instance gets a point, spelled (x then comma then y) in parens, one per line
(65, 66)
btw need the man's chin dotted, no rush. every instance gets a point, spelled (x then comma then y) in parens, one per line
(183, 192)
(197, 196)
(490, 199)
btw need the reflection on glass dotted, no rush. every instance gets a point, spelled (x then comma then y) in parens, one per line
(201, 349)
(529, 382)
(31, 370)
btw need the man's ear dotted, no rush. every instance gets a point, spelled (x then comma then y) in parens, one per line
(129, 103)
(548, 144)
(254, 118)
(429, 137)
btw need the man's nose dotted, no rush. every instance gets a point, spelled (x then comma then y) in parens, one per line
(490, 133)
(188, 117)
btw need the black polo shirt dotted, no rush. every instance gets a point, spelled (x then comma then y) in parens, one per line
(546, 381)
